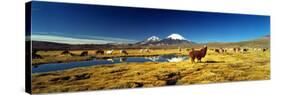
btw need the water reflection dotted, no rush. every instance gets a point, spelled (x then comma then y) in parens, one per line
(69, 65)
(176, 59)
(111, 60)
(123, 59)
(154, 59)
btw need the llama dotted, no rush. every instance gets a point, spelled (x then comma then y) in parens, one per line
(147, 50)
(141, 50)
(100, 52)
(238, 49)
(264, 49)
(84, 53)
(179, 49)
(217, 50)
(123, 52)
(109, 52)
(245, 50)
(198, 54)
(65, 52)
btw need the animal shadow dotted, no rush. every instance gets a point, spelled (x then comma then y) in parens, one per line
(212, 61)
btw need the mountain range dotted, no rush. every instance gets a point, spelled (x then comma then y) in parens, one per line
(172, 39)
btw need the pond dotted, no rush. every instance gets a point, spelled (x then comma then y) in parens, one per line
(69, 65)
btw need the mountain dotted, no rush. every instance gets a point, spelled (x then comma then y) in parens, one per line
(266, 37)
(173, 39)
(261, 42)
(43, 45)
(150, 40)
(153, 39)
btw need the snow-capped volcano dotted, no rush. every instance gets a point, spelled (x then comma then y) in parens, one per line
(170, 40)
(150, 40)
(175, 37)
(153, 38)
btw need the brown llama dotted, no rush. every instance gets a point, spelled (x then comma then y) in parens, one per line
(198, 54)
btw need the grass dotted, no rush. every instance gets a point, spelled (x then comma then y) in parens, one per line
(226, 67)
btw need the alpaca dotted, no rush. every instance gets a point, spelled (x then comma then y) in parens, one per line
(100, 52)
(147, 50)
(109, 52)
(84, 53)
(65, 52)
(264, 49)
(123, 52)
(245, 50)
(141, 50)
(217, 50)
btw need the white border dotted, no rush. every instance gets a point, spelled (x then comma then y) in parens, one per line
(12, 46)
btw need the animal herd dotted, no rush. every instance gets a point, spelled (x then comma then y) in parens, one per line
(224, 50)
(35, 54)
(199, 54)
(145, 50)
(193, 53)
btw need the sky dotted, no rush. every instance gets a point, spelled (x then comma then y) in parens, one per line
(95, 24)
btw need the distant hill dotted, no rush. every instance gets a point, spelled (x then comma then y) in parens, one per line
(263, 42)
(42, 45)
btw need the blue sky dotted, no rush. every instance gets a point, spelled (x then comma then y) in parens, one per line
(92, 24)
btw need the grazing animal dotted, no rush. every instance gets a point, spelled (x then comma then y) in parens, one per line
(264, 49)
(100, 52)
(198, 54)
(217, 50)
(71, 54)
(141, 50)
(179, 49)
(147, 50)
(238, 49)
(234, 49)
(65, 52)
(222, 50)
(123, 52)
(109, 52)
(84, 53)
(245, 50)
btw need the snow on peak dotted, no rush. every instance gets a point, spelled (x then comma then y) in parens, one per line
(176, 37)
(153, 38)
